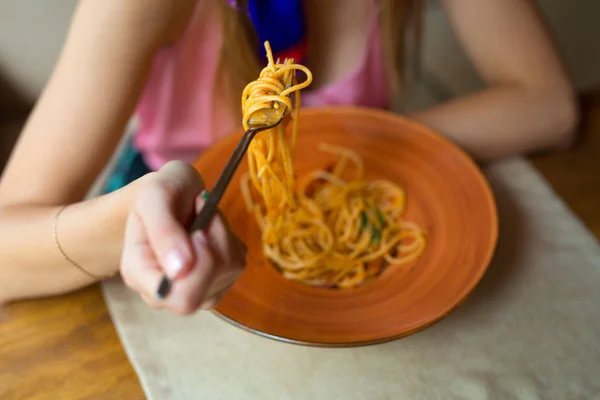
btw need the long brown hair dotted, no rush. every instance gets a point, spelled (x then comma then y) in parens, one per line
(400, 22)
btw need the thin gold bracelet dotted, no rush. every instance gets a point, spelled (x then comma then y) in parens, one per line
(73, 263)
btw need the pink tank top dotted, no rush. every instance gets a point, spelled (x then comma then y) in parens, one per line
(181, 113)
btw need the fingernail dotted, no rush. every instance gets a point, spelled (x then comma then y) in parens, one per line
(174, 263)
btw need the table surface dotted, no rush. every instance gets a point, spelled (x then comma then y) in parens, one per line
(67, 347)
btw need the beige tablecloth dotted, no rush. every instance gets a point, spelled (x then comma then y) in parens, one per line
(531, 330)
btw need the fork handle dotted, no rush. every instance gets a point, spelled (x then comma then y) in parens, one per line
(205, 216)
(209, 209)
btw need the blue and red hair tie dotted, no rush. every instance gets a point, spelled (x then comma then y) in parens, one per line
(281, 22)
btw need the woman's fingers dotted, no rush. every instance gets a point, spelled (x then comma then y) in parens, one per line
(139, 268)
(211, 277)
(165, 233)
(231, 257)
(204, 265)
(174, 190)
(222, 237)
(141, 272)
(188, 292)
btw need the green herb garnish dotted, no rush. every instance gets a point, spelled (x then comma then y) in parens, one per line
(377, 228)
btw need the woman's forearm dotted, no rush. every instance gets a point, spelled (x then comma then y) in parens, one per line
(67, 141)
(90, 233)
(505, 121)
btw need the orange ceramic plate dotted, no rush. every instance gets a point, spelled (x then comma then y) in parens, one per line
(447, 195)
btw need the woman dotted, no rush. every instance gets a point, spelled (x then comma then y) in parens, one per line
(180, 65)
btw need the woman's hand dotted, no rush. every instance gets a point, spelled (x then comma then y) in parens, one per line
(202, 266)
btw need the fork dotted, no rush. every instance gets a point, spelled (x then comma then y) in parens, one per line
(212, 198)
(205, 216)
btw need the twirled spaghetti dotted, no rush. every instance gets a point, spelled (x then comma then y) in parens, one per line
(332, 228)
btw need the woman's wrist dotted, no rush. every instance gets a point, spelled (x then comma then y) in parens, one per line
(92, 232)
